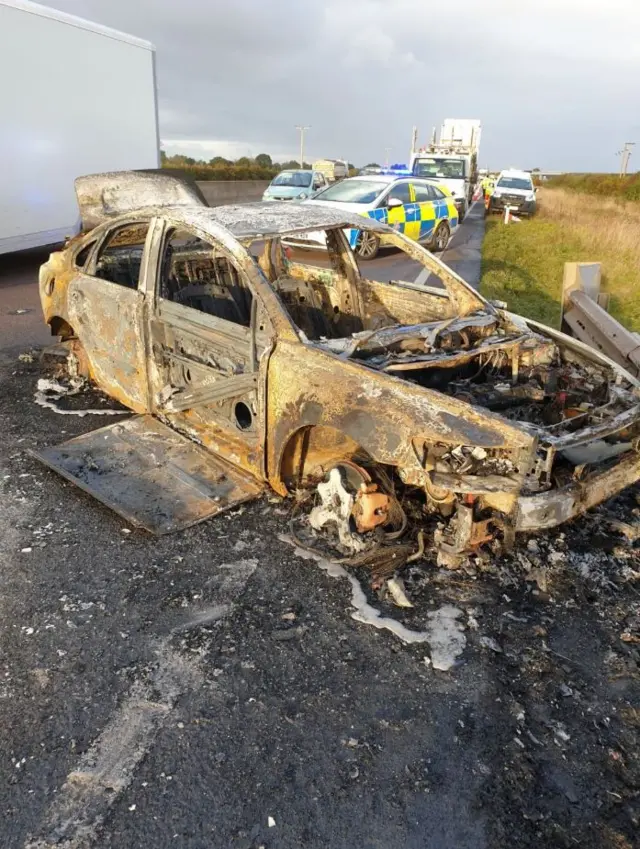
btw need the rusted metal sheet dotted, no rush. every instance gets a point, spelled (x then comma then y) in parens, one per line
(150, 475)
(550, 509)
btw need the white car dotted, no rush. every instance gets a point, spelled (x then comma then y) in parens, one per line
(516, 190)
(421, 210)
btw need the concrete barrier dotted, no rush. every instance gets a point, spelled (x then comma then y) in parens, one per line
(220, 192)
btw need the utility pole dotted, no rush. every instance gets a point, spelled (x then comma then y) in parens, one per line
(624, 155)
(387, 151)
(301, 130)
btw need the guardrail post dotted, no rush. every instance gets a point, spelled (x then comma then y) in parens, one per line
(582, 276)
(584, 317)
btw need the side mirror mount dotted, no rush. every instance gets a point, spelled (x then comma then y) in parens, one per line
(393, 203)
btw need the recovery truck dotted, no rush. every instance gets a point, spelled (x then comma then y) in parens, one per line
(453, 160)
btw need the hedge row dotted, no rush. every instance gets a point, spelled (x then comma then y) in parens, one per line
(604, 185)
(225, 172)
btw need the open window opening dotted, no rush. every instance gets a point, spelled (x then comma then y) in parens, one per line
(197, 276)
(330, 300)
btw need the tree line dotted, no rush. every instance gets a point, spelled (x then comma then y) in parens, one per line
(260, 167)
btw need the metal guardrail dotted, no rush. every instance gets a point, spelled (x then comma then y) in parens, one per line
(585, 317)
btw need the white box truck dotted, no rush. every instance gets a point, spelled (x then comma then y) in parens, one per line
(452, 161)
(75, 98)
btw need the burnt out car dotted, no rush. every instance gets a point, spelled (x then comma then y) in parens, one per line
(248, 370)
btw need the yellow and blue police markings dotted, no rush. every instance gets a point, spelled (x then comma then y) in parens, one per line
(417, 220)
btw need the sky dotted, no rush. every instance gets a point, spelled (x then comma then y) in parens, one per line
(556, 83)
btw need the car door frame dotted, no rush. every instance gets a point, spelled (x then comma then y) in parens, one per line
(100, 310)
(426, 233)
(252, 345)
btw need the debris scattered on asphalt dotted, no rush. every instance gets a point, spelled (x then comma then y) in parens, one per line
(398, 592)
(363, 611)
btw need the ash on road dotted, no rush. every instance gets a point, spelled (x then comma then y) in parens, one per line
(190, 690)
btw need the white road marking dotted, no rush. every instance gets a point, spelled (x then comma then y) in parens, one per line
(422, 278)
(107, 768)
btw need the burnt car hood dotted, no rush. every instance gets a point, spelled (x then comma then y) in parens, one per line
(539, 381)
(104, 196)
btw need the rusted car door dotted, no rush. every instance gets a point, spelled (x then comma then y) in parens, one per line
(106, 305)
(208, 336)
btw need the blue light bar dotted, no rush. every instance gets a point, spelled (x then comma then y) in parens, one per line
(396, 171)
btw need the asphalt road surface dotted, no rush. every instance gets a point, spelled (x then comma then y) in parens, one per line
(211, 689)
(20, 314)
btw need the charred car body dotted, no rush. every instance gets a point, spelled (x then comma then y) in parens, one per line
(248, 370)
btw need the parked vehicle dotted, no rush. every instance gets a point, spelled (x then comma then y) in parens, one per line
(516, 190)
(333, 169)
(76, 98)
(452, 161)
(421, 211)
(295, 185)
(253, 373)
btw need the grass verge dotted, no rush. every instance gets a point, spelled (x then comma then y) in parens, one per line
(523, 263)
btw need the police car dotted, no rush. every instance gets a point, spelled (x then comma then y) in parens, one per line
(421, 210)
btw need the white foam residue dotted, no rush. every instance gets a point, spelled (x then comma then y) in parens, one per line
(446, 639)
(444, 633)
(50, 391)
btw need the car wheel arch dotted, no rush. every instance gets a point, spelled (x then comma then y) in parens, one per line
(61, 327)
(310, 450)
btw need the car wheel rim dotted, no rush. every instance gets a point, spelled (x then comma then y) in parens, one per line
(367, 245)
(442, 237)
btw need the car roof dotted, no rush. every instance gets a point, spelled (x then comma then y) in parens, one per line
(514, 172)
(267, 219)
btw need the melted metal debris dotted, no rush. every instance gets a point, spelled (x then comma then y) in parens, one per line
(444, 633)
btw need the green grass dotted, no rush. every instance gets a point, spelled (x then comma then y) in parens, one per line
(523, 264)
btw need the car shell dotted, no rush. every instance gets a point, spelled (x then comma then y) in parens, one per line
(277, 403)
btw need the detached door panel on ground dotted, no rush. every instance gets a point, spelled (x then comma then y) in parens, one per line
(149, 474)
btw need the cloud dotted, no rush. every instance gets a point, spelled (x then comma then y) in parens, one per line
(554, 81)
